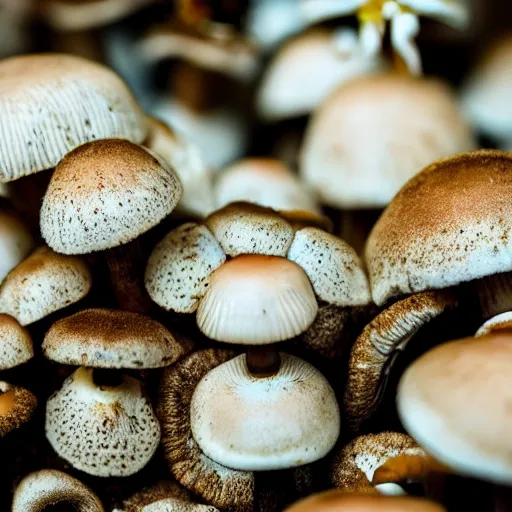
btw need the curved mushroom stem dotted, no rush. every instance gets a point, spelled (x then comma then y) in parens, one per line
(495, 294)
(263, 361)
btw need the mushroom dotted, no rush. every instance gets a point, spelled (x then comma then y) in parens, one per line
(119, 432)
(266, 182)
(102, 196)
(459, 420)
(16, 343)
(173, 505)
(47, 488)
(499, 322)
(17, 406)
(43, 283)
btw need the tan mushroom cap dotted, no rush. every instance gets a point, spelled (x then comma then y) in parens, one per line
(15, 343)
(377, 346)
(222, 487)
(266, 182)
(457, 215)
(335, 501)
(105, 194)
(186, 160)
(108, 338)
(103, 431)
(244, 228)
(257, 300)
(180, 266)
(455, 401)
(43, 283)
(16, 242)
(496, 323)
(49, 487)
(261, 424)
(17, 405)
(375, 133)
(51, 104)
(174, 505)
(333, 267)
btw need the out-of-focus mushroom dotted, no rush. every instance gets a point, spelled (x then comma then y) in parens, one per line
(104, 195)
(15, 343)
(15, 18)
(43, 283)
(17, 406)
(44, 489)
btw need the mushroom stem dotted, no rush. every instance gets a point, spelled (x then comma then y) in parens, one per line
(495, 294)
(107, 378)
(263, 360)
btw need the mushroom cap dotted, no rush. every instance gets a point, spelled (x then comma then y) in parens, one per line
(17, 405)
(105, 194)
(257, 300)
(376, 347)
(245, 228)
(261, 424)
(335, 501)
(375, 133)
(103, 431)
(16, 242)
(186, 160)
(455, 401)
(42, 284)
(175, 505)
(15, 343)
(51, 104)
(499, 322)
(266, 182)
(457, 215)
(48, 487)
(306, 70)
(333, 267)
(108, 338)
(180, 266)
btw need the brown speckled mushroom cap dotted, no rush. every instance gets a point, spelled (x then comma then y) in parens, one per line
(499, 322)
(108, 338)
(448, 225)
(294, 412)
(174, 505)
(455, 401)
(17, 405)
(257, 300)
(375, 133)
(244, 228)
(43, 283)
(50, 104)
(377, 346)
(15, 343)
(104, 194)
(48, 487)
(101, 430)
(180, 266)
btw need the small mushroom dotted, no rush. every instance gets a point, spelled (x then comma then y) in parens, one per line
(43, 283)
(500, 322)
(15, 342)
(47, 488)
(17, 405)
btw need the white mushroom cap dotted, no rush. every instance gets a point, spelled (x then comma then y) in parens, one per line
(496, 323)
(48, 487)
(103, 431)
(176, 505)
(105, 194)
(42, 284)
(375, 133)
(257, 300)
(50, 104)
(15, 343)
(259, 424)
(244, 228)
(180, 267)
(266, 182)
(332, 266)
(186, 160)
(16, 242)
(308, 68)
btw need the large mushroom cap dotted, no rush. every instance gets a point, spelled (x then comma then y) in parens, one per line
(43, 489)
(104, 194)
(15, 343)
(254, 424)
(455, 401)
(43, 283)
(17, 405)
(375, 133)
(103, 431)
(448, 225)
(257, 300)
(50, 104)
(107, 338)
